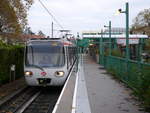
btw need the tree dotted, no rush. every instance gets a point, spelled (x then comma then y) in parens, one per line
(41, 33)
(13, 14)
(28, 30)
(141, 23)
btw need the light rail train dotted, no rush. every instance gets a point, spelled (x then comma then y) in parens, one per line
(48, 61)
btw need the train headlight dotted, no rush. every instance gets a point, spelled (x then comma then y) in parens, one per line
(59, 73)
(28, 73)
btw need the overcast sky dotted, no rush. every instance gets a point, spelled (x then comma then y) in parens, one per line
(81, 15)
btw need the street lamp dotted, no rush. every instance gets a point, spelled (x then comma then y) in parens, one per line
(109, 37)
(127, 30)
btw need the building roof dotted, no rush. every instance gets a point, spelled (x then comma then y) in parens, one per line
(27, 36)
(114, 36)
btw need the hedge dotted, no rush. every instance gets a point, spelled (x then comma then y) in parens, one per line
(9, 55)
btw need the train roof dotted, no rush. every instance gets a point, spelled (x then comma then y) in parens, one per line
(45, 39)
(63, 42)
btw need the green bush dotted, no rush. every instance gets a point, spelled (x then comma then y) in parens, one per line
(106, 52)
(10, 55)
(145, 87)
(116, 52)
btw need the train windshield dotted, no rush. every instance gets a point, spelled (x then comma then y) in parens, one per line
(45, 55)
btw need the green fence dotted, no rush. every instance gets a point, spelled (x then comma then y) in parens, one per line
(119, 65)
(137, 75)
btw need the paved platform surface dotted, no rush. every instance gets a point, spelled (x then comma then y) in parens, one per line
(105, 94)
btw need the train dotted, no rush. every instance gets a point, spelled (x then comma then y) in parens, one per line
(48, 61)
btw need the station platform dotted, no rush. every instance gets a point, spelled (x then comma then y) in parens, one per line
(98, 92)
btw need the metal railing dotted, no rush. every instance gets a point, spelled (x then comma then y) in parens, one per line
(137, 76)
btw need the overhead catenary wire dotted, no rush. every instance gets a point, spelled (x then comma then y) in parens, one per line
(51, 15)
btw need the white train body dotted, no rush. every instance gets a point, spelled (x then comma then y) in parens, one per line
(48, 62)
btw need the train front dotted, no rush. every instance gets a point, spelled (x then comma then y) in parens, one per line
(45, 63)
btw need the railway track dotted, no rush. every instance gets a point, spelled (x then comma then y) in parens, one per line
(14, 103)
(32, 100)
(44, 102)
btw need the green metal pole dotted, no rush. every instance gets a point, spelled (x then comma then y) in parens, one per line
(127, 32)
(127, 39)
(99, 50)
(101, 58)
(139, 54)
(139, 50)
(109, 38)
(77, 54)
(102, 48)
